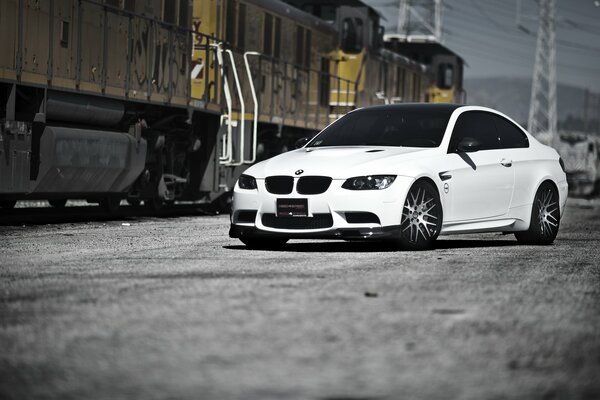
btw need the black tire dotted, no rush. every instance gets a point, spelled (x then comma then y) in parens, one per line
(8, 204)
(110, 204)
(58, 203)
(264, 243)
(545, 217)
(422, 217)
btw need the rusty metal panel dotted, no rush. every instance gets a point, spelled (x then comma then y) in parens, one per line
(150, 8)
(92, 25)
(141, 35)
(160, 63)
(35, 37)
(181, 60)
(117, 57)
(64, 40)
(8, 33)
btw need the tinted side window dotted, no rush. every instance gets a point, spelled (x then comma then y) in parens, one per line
(510, 135)
(477, 125)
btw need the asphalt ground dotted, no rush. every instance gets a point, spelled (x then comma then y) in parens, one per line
(140, 307)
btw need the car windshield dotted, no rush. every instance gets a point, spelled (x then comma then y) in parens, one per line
(393, 127)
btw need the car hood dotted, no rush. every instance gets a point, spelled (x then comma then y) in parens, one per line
(339, 162)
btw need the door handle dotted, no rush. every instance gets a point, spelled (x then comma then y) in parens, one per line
(506, 163)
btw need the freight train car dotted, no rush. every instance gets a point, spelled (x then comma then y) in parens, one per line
(155, 101)
(372, 73)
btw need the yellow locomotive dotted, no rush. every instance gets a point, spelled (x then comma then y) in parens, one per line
(161, 100)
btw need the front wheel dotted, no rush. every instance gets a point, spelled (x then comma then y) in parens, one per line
(421, 221)
(264, 243)
(545, 217)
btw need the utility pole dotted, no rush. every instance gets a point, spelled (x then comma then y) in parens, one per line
(542, 108)
(586, 106)
(420, 18)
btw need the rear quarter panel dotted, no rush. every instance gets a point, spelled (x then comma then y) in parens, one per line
(533, 166)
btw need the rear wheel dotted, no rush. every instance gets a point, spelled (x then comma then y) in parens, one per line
(264, 243)
(545, 217)
(421, 221)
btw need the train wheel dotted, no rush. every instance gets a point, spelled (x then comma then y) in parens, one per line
(154, 204)
(110, 203)
(8, 204)
(133, 202)
(58, 203)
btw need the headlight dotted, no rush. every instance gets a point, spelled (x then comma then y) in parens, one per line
(247, 182)
(370, 182)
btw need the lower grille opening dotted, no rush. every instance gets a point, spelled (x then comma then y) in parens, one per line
(318, 221)
(246, 216)
(362, 218)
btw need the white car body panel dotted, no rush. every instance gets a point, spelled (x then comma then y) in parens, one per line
(479, 190)
(490, 197)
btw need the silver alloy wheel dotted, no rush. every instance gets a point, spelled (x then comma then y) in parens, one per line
(545, 217)
(547, 208)
(418, 217)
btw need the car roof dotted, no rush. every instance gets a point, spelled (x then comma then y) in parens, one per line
(413, 107)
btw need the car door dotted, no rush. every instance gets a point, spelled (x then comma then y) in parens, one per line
(514, 140)
(481, 179)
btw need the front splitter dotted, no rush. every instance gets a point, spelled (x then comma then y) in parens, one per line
(376, 233)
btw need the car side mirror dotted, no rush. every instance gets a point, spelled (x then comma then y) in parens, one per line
(301, 142)
(468, 145)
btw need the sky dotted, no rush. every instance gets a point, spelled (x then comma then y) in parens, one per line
(485, 34)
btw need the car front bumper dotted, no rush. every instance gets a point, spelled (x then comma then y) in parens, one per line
(335, 206)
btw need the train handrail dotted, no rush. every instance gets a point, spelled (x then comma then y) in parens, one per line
(227, 157)
(255, 100)
(242, 106)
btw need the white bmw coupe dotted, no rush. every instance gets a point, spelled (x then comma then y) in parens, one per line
(405, 173)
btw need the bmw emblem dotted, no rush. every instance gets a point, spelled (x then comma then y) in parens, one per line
(300, 171)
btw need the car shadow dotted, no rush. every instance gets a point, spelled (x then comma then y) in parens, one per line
(371, 247)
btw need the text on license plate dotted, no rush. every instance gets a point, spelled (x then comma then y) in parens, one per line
(292, 207)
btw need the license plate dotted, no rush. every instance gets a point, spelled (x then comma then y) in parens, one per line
(292, 208)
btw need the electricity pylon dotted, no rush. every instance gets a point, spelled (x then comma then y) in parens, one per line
(420, 18)
(542, 108)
